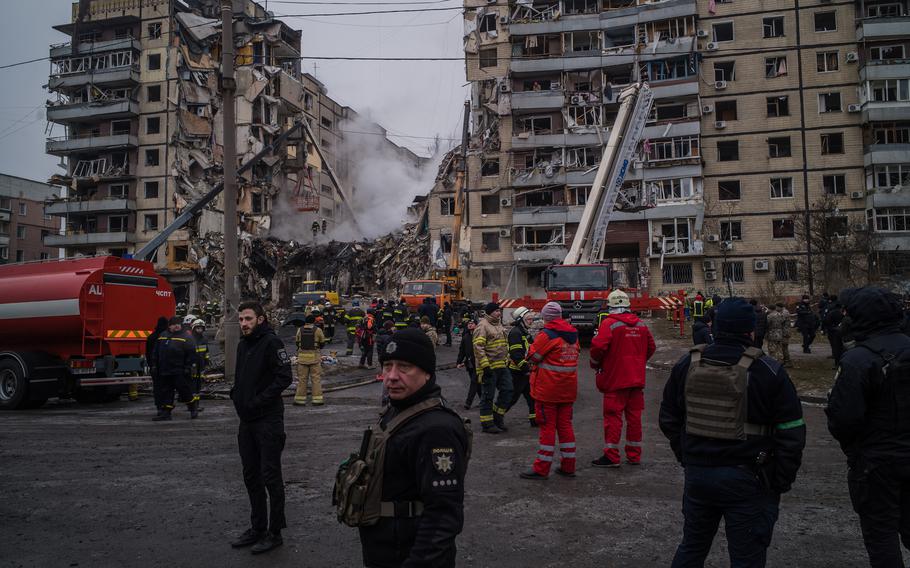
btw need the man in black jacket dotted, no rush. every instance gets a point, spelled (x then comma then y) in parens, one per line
(806, 323)
(834, 315)
(869, 414)
(701, 332)
(151, 343)
(739, 478)
(424, 468)
(175, 358)
(263, 372)
(467, 362)
(761, 323)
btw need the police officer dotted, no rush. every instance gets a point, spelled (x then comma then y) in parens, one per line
(175, 357)
(735, 467)
(202, 360)
(263, 372)
(352, 319)
(424, 468)
(869, 414)
(519, 342)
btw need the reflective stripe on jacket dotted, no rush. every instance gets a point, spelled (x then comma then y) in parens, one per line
(491, 349)
(554, 356)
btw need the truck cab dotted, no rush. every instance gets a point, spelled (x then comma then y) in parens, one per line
(581, 290)
(314, 291)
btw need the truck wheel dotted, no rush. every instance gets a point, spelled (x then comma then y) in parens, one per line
(13, 386)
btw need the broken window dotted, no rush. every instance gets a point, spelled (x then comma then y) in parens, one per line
(725, 110)
(490, 277)
(775, 67)
(832, 143)
(581, 6)
(668, 111)
(733, 271)
(152, 157)
(537, 124)
(786, 270)
(539, 236)
(257, 203)
(151, 222)
(836, 226)
(783, 229)
(731, 230)
(154, 30)
(826, 61)
(778, 106)
(835, 184)
(677, 273)
(722, 31)
(152, 124)
(588, 115)
(153, 93)
(890, 133)
(578, 195)
(154, 61)
(672, 148)
(543, 198)
(446, 206)
(886, 52)
(119, 127)
(181, 253)
(487, 58)
(779, 147)
(489, 167)
(825, 21)
(122, 33)
(487, 23)
(728, 190)
(889, 219)
(90, 37)
(674, 237)
(773, 27)
(724, 70)
(583, 41)
(151, 190)
(666, 69)
(582, 158)
(118, 190)
(781, 188)
(325, 122)
(829, 102)
(489, 241)
(117, 224)
(489, 204)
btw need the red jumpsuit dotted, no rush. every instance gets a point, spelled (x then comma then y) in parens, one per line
(554, 387)
(619, 351)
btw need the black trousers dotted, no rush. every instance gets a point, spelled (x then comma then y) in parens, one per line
(808, 338)
(837, 344)
(261, 443)
(881, 497)
(473, 386)
(183, 384)
(521, 387)
(366, 354)
(759, 340)
(448, 329)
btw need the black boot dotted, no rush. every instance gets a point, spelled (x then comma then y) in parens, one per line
(164, 415)
(193, 407)
(268, 542)
(248, 538)
(499, 421)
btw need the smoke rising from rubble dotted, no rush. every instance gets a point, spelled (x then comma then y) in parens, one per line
(382, 183)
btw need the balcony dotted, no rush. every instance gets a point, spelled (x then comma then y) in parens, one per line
(89, 239)
(645, 12)
(4, 214)
(89, 206)
(552, 253)
(879, 70)
(675, 89)
(557, 176)
(882, 28)
(111, 12)
(66, 49)
(547, 215)
(538, 100)
(875, 154)
(562, 139)
(878, 199)
(889, 111)
(4, 240)
(618, 56)
(93, 111)
(113, 77)
(71, 145)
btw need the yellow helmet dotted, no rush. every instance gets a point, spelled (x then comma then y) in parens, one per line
(618, 299)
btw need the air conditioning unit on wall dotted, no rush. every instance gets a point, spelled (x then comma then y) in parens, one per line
(710, 275)
(712, 238)
(711, 46)
(720, 124)
(761, 265)
(720, 85)
(505, 202)
(709, 264)
(707, 109)
(505, 233)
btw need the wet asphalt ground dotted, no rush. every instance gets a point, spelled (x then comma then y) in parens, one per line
(102, 485)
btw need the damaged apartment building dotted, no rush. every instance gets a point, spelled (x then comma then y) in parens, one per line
(725, 192)
(136, 93)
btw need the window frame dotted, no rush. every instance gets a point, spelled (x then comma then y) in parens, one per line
(824, 58)
(779, 144)
(825, 143)
(734, 146)
(487, 246)
(769, 24)
(824, 97)
(739, 189)
(784, 183)
(732, 229)
(716, 25)
(777, 102)
(815, 15)
(485, 60)
(447, 203)
(779, 226)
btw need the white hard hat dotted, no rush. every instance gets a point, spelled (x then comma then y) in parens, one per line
(618, 299)
(198, 323)
(520, 312)
(188, 320)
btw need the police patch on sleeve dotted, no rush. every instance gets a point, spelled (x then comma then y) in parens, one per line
(443, 460)
(283, 357)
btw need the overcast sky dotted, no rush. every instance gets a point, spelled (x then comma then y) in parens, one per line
(418, 99)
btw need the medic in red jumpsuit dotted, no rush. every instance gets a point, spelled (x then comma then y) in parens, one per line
(619, 351)
(554, 387)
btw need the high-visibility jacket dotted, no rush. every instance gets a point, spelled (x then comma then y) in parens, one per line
(619, 351)
(491, 348)
(352, 319)
(698, 308)
(202, 355)
(554, 356)
(518, 348)
(400, 314)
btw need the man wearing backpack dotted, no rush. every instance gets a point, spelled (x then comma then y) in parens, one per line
(737, 463)
(869, 414)
(420, 508)
(619, 351)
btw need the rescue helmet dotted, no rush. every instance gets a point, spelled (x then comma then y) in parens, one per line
(355, 303)
(618, 299)
(328, 304)
(189, 319)
(198, 323)
(520, 313)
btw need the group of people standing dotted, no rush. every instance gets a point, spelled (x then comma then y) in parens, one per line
(177, 355)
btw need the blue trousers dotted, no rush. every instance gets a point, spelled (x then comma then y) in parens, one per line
(748, 509)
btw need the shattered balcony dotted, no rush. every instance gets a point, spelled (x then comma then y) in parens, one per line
(86, 48)
(92, 111)
(547, 215)
(68, 207)
(618, 55)
(115, 76)
(538, 100)
(89, 239)
(529, 140)
(543, 253)
(66, 145)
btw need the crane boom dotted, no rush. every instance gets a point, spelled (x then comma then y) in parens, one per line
(635, 106)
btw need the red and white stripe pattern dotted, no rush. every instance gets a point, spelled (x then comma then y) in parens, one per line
(132, 270)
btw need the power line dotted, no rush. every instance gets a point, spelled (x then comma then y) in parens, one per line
(370, 12)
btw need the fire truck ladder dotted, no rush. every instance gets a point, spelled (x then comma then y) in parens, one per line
(93, 325)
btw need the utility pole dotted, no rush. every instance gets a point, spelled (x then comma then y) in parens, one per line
(228, 87)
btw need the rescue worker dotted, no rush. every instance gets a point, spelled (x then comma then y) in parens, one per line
(554, 384)
(175, 357)
(761, 323)
(806, 323)
(779, 334)
(429, 310)
(309, 341)
(263, 372)
(736, 466)
(519, 341)
(151, 343)
(619, 351)
(698, 307)
(383, 336)
(467, 361)
(446, 319)
(315, 228)
(401, 314)
(329, 317)
(491, 352)
(187, 323)
(426, 458)
(701, 332)
(869, 414)
(202, 360)
(388, 313)
(352, 319)
(428, 329)
(367, 338)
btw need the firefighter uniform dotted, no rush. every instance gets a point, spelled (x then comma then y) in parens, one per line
(519, 341)
(491, 352)
(202, 357)
(175, 359)
(310, 340)
(400, 314)
(352, 319)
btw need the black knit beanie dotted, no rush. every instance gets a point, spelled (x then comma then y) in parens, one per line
(411, 345)
(490, 308)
